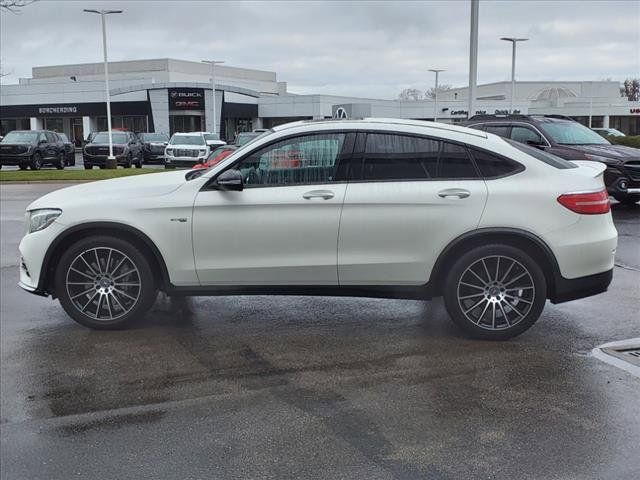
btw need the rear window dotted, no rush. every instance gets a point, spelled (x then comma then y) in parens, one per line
(494, 166)
(545, 157)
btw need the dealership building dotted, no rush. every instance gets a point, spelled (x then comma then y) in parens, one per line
(168, 95)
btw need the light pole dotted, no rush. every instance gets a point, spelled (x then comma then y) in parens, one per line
(213, 64)
(473, 56)
(111, 160)
(435, 93)
(513, 41)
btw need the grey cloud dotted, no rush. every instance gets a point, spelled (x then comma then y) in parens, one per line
(370, 49)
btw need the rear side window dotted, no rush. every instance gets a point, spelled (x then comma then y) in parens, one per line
(493, 166)
(399, 157)
(501, 130)
(404, 157)
(545, 157)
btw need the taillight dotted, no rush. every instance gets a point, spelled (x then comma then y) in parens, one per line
(590, 203)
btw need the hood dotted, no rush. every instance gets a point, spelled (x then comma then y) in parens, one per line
(617, 153)
(105, 144)
(187, 147)
(120, 189)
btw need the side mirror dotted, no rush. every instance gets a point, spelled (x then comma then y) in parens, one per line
(230, 180)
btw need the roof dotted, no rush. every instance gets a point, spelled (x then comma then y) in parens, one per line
(386, 121)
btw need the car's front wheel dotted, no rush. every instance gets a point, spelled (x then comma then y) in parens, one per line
(104, 282)
(495, 292)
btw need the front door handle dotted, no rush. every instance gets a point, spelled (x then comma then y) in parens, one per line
(324, 194)
(454, 192)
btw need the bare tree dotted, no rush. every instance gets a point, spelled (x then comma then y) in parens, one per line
(431, 93)
(631, 89)
(410, 94)
(14, 6)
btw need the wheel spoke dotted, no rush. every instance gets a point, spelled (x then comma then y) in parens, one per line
(99, 304)
(508, 271)
(493, 315)
(81, 273)
(106, 265)
(477, 276)
(88, 265)
(79, 283)
(519, 299)
(124, 274)
(475, 305)
(118, 265)
(497, 269)
(83, 293)
(504, 315)
(124, 293)
(486, 270)
(95, 252)
(483, 312)
(118, 302)
(471, 285)
(471, 296)
(90, 300)
(106, 299)
(123, 284)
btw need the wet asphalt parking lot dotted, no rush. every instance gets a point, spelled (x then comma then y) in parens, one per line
(295, 387)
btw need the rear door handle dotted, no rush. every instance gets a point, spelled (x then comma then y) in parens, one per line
(454, 192)
(324, 194)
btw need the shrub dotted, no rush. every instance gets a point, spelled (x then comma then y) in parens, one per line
(629, 141)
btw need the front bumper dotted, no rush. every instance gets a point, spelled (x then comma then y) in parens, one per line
(102, 159)
(186, 162)
(620, 182)
(33, 248)
(15, 159)
(153, 157)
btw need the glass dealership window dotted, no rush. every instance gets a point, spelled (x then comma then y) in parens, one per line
(9, 124)
(131, 123)
(54, 124)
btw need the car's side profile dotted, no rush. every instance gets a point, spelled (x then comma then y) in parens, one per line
(377, 208)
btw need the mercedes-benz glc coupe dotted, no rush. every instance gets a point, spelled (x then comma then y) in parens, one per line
(374, 208)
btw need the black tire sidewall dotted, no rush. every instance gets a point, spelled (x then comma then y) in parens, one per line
(451, 288)
(147, 295)
(36, 162)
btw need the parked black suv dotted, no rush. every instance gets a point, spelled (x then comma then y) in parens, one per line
(153, 145)
(126, 148)
(568, 139)
(32, 148)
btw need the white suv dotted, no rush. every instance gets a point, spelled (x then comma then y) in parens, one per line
(374, 208)
(187, 149)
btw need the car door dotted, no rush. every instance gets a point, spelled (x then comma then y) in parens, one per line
(282, 228)
(46, 146)
(412, 196)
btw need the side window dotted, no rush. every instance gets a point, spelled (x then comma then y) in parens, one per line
(42, 137)
(477, 126)
(399, 157)
(294, 161)
(524, 135)
(492, 166)
(501, 130)
(455, 162)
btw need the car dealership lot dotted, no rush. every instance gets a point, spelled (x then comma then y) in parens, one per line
(268, 387)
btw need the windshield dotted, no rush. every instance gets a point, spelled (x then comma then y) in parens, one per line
(20, 137)
(103, 137)
(155, 137)
(572, 133)
(187, 140)
(242, 148)
(211, 136)
(545, 157)
(63, 137)
(244, 138)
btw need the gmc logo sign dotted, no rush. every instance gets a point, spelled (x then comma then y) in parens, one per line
(186, 99)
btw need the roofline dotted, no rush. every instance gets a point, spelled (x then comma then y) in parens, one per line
(386, 121)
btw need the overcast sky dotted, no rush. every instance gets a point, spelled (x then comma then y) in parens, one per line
(366, 49)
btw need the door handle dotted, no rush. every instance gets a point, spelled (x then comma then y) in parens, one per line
(324, 194)
(454, 192)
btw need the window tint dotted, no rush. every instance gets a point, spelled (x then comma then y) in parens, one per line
(524, 135)
(399, 157)
(403, 157)
(294, 161)
(455, 162)
(492, 166)
(501, 130)
(545, 157)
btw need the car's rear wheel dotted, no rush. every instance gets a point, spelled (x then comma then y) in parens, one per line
(495, 292)
(23, 166)
(104, 283)
(60, 163)
(128, 162)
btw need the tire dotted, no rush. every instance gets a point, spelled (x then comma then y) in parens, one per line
(500, 312)
(129, 162)
(139, 162)
(36, 161)
(23, 166)
(110, 296)
(169, 167)
(628, 199)
(60, 163)
(88, 166)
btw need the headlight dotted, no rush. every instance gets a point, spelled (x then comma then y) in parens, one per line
(42, 218)
(169, 151)
(202, 152)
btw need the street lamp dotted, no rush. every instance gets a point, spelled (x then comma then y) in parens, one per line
(213, 64)
(513, 41)
(111, 160)
(435, 93)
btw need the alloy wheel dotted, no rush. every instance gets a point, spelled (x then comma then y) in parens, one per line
(496, 292)
(103, 283)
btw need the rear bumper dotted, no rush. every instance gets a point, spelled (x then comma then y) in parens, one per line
(572, 289)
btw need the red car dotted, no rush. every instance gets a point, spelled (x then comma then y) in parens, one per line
(216, 156)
